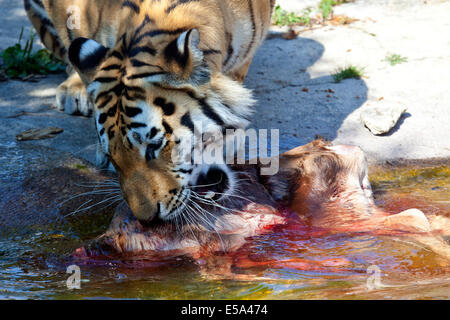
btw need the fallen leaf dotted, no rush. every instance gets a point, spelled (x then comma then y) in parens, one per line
(339, 20)
(39, 134)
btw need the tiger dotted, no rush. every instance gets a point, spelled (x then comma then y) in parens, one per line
(152, 73)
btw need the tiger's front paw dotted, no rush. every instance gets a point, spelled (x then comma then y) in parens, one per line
(71, 97)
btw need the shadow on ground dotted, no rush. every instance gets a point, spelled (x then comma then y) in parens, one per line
(290, 100)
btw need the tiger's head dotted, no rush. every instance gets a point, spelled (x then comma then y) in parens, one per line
(151, 92)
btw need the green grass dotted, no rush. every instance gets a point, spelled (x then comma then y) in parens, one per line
(350, 72)
(282, 17)
(326, 7)
(20, 62)
(395, 59)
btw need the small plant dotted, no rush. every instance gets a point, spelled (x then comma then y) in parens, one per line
(306, 17)
(395, 59)
(350, 72)
(20, 62)
(326, 7)
(282, 17)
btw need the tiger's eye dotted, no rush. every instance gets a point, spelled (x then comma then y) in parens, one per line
(137, 137)
(150, 152)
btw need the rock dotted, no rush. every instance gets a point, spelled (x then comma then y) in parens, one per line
(291, 34)
(382, 117)
(49, 191)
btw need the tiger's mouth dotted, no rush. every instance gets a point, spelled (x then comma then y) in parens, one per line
(213, 184)
(206, 192)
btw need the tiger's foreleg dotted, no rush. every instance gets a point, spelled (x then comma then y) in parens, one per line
(45, 28)
(71, 95)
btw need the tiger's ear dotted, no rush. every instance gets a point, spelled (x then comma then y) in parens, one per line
(186, 60)
(86, 55)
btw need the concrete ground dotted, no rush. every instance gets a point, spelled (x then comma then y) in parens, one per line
(283, 69)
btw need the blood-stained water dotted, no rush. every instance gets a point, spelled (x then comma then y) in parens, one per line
(292, 260)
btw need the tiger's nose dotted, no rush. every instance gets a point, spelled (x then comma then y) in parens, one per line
(143, 209)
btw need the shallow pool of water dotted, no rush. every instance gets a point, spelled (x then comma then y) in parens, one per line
(34, 252)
